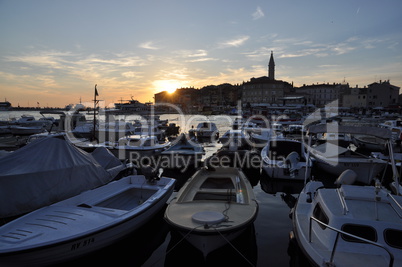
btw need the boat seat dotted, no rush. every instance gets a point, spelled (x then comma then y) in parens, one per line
(215, 194)
(347, 177)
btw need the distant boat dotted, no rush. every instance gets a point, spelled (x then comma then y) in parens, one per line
(205, 130)
(183, 153)
(284, 158)
(238, 138)
(133, 147)
(112, 131)
(26, 130)
(335, 159)
(213, 208)
(369, 143)
(84, 223)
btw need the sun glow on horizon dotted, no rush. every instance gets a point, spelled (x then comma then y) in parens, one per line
(169, 86)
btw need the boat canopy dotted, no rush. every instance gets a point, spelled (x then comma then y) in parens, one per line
(365, 130)
(49, 170)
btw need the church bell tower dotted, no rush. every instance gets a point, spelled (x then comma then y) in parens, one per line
(271, 67)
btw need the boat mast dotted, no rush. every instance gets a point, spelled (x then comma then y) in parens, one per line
(95, 103)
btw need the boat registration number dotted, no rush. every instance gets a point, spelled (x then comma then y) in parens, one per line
(351, 164)
(83, 243)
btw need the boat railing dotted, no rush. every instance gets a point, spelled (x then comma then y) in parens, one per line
(331, 260)
(343, 202)
(397, 203)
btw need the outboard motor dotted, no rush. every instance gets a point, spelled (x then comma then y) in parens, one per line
(151, 174)
(291, 161)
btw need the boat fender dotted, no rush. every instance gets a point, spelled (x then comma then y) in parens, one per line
(347, 177)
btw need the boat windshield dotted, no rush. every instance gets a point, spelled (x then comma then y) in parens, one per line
(134, 142)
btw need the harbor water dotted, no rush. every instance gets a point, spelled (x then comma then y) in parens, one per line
(265, 243)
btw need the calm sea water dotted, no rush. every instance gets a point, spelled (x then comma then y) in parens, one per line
(266, 243)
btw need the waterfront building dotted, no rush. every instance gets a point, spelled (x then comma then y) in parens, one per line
(356, 99)
(382, 94)
(320, 95)
(184, 98)
(377, 94)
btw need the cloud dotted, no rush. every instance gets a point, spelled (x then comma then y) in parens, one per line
(192, 53)
(53, 59)
(132, 74)
(258, 14)
(148, 45)
(202, 59)
(235, 42)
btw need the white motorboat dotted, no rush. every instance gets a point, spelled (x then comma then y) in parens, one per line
(112, 131)
(351, 225)
(84, 223)
(151, 131)
(182, 153)
(212, 208)
(238, 138)
(205, 130)
(134, 147)
(284, 158)
(335, 159)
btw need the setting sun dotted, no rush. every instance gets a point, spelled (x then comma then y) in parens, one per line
(167, 85)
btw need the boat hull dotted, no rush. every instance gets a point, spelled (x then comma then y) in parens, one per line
(102, 225)
(206, 243)
(366, 169)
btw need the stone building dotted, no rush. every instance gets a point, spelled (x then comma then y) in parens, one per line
(184, 98)
(382, 94)
(356, 99)
(378, 94)
(321, 94)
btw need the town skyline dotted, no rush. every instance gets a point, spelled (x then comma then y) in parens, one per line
(53, 53)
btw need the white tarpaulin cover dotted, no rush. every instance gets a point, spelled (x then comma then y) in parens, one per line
(47, 171)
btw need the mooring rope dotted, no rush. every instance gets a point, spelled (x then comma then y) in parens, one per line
(244, 257)
(175, 245)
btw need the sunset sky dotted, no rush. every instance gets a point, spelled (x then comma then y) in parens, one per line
(55, 51)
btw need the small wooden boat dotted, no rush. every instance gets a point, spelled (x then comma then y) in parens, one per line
(212, 208)
(84, 223)
(369, 143)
